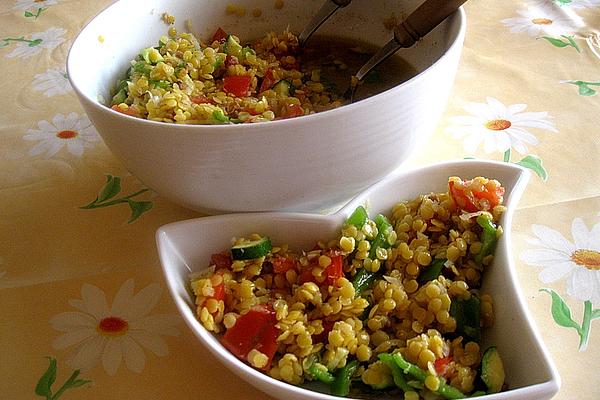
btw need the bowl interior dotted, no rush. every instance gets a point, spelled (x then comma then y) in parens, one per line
(102, 51)
(186, 247)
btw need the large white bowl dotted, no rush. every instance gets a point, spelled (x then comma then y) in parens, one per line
(185, 247)
(311, 163)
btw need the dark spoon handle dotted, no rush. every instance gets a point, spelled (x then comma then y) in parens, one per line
(424, 19)
(418, 24)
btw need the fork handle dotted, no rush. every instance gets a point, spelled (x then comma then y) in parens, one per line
(424, 19)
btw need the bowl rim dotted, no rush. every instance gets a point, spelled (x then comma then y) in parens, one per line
(546, 388)
(456, 44)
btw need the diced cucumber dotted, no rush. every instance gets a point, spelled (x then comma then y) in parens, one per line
(160, 84)
(432, 271)
(120, 97)
(363, 280)
(252, 249)
(320, 373)
(246, 51)
(358, 217)
(151, 55)
(489, 237)
(466, 312)
(219, 60)
(232, 47)
(282, 88)
(384, 229)
(122, 92)
(219, 115)
(492, 370)
(142, 67)
(343, 379)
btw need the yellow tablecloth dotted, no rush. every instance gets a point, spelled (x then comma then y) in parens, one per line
(526, 92)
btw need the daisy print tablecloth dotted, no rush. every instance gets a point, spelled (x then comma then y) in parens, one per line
(84, 310)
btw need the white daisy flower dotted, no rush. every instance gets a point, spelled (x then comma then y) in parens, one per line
(29, 47)
(577, 262)
(52, 82)
(539, 21)
(499, 127)
(33, 4)
(576, 4)
(113, 334)
(584, 3)
(74, 131)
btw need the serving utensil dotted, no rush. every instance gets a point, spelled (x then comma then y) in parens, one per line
(326, 11)
(418, 24)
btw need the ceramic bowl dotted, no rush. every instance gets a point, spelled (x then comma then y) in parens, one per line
(311, 163)
(185, 248)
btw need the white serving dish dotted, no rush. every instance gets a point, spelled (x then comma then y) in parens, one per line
(312, 163)
(185, 247)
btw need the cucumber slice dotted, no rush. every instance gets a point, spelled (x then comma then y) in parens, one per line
(232, 47)
(282, 88)
(245, 52)
(492, 370)
(252, 249)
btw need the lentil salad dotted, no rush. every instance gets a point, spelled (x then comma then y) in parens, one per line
(391, 304)
(185, 80)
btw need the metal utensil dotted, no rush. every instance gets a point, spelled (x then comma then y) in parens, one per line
(326, 11)
(418, 24)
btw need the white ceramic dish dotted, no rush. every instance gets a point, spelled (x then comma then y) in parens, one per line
(311, 163)
(185, 247)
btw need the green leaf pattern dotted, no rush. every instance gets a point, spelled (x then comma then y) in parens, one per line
(566, 41)
(29, 14)
(106, 198)
(534, 163)
(30, 42)
(585, 88)
(561, 313)
(45, 383)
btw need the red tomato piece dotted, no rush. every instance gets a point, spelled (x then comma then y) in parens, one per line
(441, 365)
(201, 99)
(219, 292)
(267, 82)
(251, 111)
(493, 196)
(221, 260)
(323, 336)
(473, 201)
(335, 270)
(254, 330)
(281, 265)
(331, 274)
(237, 85)
(130, 111)
(292, 110)
(306, 276)
(219, 36)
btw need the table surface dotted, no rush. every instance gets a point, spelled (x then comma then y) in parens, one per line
(526, 92)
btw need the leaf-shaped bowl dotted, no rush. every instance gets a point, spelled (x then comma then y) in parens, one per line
(185, 247)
